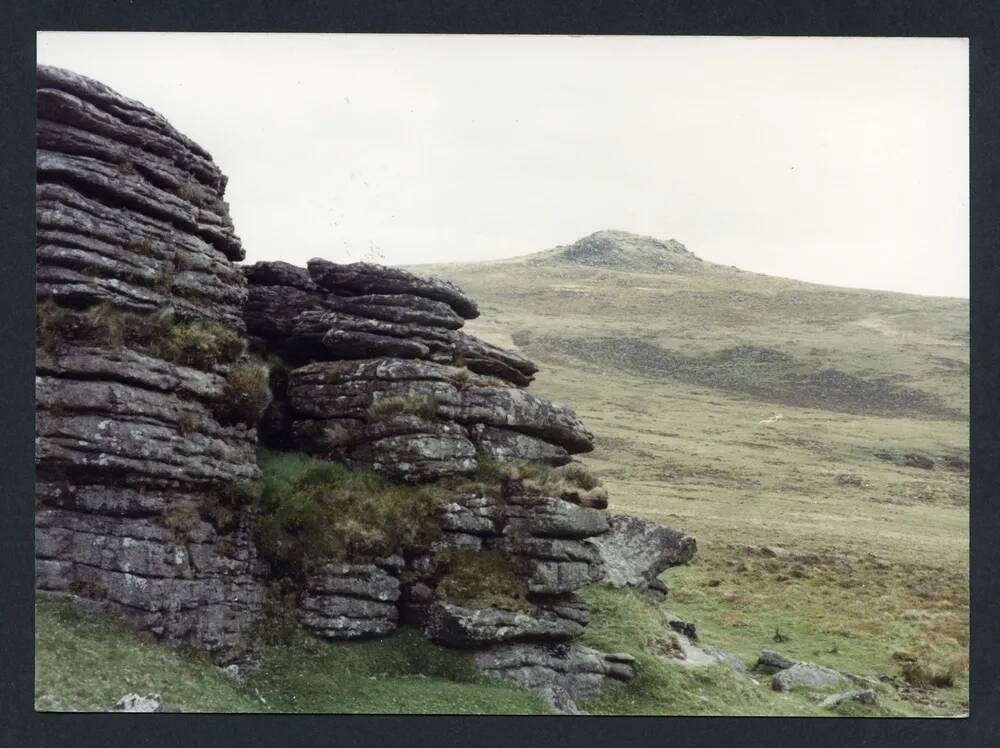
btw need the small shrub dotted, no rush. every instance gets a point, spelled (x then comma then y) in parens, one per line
(201, 345)
(141, 246)
(181, 262)
(919, 672)
(419, 405)
(188, 191)
(482, 579)
(224, 507)
(93, 590)
(187, 423)
(464, 379)
(181, 519)
(245, 394)
(164, 283)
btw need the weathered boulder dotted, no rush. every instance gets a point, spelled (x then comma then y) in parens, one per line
(807, 675)
(351, 599)
(867, 696)
(636, 551)
(580, 671)
(134, 702)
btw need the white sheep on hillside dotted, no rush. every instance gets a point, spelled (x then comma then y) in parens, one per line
(773, 419)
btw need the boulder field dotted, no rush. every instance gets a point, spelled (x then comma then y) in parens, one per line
(163, 367)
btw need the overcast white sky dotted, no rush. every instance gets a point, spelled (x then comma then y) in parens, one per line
(841, 161)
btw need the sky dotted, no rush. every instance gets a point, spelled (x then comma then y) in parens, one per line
(841, 161)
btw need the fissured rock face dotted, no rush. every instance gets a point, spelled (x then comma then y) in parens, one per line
(381, 376)
(130, 214)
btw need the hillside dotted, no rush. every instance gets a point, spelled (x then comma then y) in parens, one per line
(858, 494)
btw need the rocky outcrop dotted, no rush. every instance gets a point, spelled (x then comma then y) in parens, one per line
(636, 551)
(419, 420)
(351, 599)
(140, 328)
(580, 671)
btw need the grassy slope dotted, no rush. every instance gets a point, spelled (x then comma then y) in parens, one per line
(865, 570)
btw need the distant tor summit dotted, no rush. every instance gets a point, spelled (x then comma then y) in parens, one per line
(621, 250)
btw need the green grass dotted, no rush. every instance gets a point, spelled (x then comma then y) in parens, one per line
(626, 621)
(88, 662)
(312, 509)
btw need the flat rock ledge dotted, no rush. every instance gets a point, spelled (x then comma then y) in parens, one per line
(418, 421)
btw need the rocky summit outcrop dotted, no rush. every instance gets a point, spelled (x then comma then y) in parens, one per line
(379, 374)
(140, 330)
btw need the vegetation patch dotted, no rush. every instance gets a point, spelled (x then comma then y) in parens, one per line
(482, 579)
(200, 345)
(424, 406)
(311, 510)
(245, 394)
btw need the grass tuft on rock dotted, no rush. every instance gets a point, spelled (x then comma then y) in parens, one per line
(424, 406)
(482, 579)
(312, 510)
(245, 395)
(200, 345)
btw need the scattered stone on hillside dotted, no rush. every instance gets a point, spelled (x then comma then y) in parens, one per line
(621, 250)
(771, 659)
(868, 696)
(580, 671)
(348, 600)
(807, 675)
(133, 702)
(636, 551)
(918, 461)
(132, 448)
(685, 628)
(728, 658)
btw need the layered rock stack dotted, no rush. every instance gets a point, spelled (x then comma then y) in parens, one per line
(140, 330)
(149, 405)
(380, 375)
(377, 374)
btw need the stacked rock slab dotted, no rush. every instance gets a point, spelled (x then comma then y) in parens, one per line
(131, 220)
(548, 541)
(382, 377)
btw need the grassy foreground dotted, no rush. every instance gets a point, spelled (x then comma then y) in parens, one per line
(86, 663)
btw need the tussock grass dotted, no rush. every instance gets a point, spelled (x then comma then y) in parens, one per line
(245, 395)
(482, 579)
(201, 345)
(418, 405)
(311, 509)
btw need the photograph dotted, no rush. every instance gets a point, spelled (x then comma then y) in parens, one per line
(502, 374)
